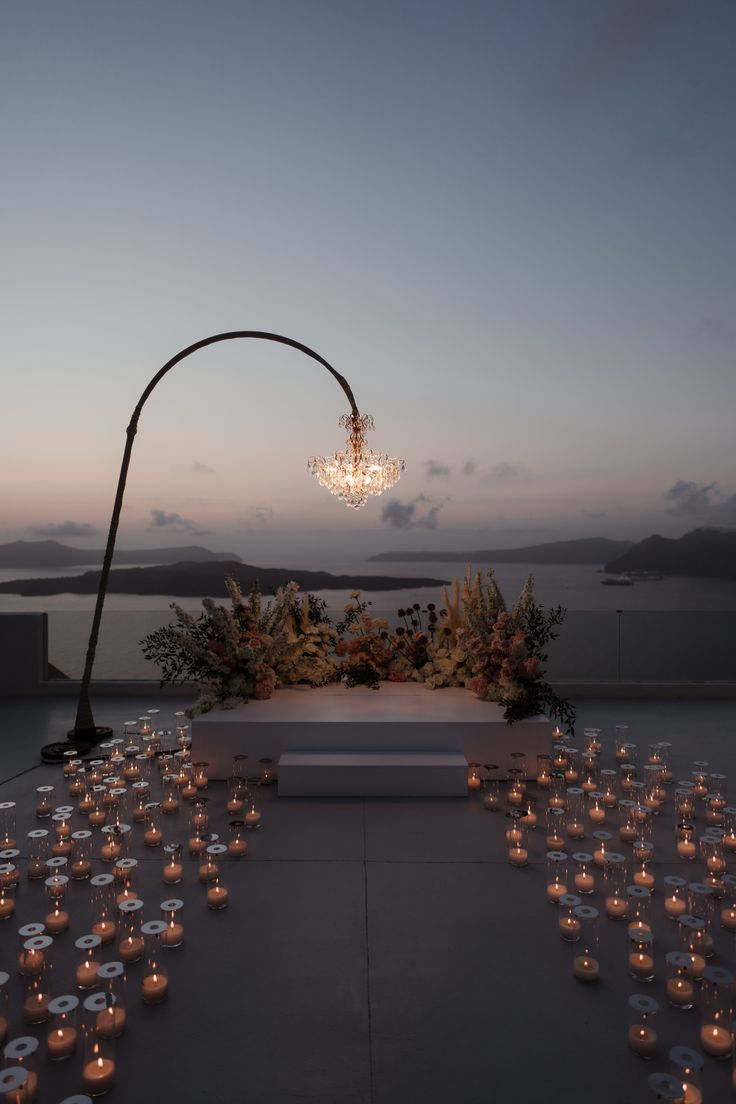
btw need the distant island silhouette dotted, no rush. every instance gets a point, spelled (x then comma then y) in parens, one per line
(193, 580)
(704, 553)
(588, 550)
(52, 553)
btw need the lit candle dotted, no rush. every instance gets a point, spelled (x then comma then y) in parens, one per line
(642, 877)
(217, 897)
(237, 847)
(597, 815)
(616, 907)
(715, 1040)
(106, 929)
(152, 837)
(81, 869)
(110, 1022)
(728, 919)
(86, 974)
(674, 906)
(729, 841)
(130, 949)
(234, 805)
(585, 968)
(643, 1040)
(36, 1008)
(575, 829)
(253, 818)
(61, 1043)
(97, 818)
(584, 883)
(555, 891)
(518, 856)
(57, 921)
(641, 965)
(554, 842)
(98, 1076)
(111, 851)
(569, 927)
(173, 872)
(696, 967)
(174, 934)
(680, 992)
(686, 849)
(628, 833)
(154, 988)
(7, 905)
(169, 805)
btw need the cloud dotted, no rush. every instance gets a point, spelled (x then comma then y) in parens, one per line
(505, 472)
(437, 470)
(65, 529)
(691, 498)
(469, 467)
(202, 469)
(405, 515)
(175, 523)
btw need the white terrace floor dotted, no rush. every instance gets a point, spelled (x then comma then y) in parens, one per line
(376, 951)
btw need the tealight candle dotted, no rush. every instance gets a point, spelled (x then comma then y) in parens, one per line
(61, 1043)
(217, 897)
(715, 1040)
(98, 1076)
(154, 988)
(518, 856)
(680, 992)
(643, 1040)
(585, 968)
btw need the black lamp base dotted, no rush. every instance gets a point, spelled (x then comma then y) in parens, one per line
(81, 742)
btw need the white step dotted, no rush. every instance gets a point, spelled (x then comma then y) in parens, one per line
(372, 774)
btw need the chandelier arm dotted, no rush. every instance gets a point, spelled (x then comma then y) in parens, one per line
(84, 725)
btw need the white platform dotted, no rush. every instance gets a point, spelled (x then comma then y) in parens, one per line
(400, 717)
(372, 774)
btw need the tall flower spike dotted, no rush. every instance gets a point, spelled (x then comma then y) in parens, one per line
(356, 472)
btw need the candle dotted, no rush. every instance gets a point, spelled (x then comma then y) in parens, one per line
(686, 849)
(173, 872)
(235, 805)
(616, 907)
(729, 841)
(643, 1040)
(674, 906)
(728, 919)
(556, 802)
(199, 820)
(575, 829)
(680, 992)
(189, 790)
(61, 1043)
(86, 974)
(585, 968)
(644, 878)
(56, 922)
(474, 782)
(514, 797)
(26, 1093)
(597, 815)
(691, 1094)
(514, 835)
(97, 818)
(237, 847)
(253, 818)
(518, 856)
(584, 883)
(152, 837)
(98, 1076)
(169, 805)
(628, 833)
(111, 851)
(715, 1040)
(569, 927)
(62, 848)
(154, 988)
(173, 936)
(196, 845)
(128, 894)
(81, 868)
(715, 864)
(696, 967)
(110, 1022)
(641, 965)
(7, 907)
(106, 930)
(217, 897)
(131, 948)
(554, 842)
(530, 819)
(36, 1008)
(555, 891)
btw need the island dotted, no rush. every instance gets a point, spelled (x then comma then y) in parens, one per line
(52, 553)
(195, 580)
(587, 550)
(703, 553)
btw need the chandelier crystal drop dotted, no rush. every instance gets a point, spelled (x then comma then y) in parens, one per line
(356, 472)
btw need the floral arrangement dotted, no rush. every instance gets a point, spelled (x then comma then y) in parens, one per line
(254, 647)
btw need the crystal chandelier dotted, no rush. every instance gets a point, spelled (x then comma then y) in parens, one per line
(356, 472)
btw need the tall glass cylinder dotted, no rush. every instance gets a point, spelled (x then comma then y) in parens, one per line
(38, 853)
(555, 839)
(687, 1066)
(98, 1064)
(173, 869)
(237, 845)
(568, 924)
(4, 1005)
(557, 791)
(38, 984)
(81, 857)
(153, 835)
(155, 983)
(210, 862)
(201, 777)
(21, 1054)
(692, 931)
(729, 826)
(685, 840)
(642, 1033)
(61, 1040)
(111, 1019)
(556, 876)
(131, 944)
(57, 917)
(728, 905)
(544, 770)
(616, 899)
(583, 876)
(628, 829)
(575, 823)
(172, 913)
(44, 801)
(701, 903)
(640, 906)
(680, 988)
(716, 1009)
(8, 884)
(601, 846)
(586, 957)
(700, 779)
(30, 961)
(8, 836)
(608, 786)
(596, 807)
(253, 816)
(621, 743)
(170, 803)
(675, 901)
(125, 873)
(641, 955)
(103, 907)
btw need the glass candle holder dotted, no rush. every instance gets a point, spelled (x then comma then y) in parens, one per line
(209, 866)
(110, 1021)
(699, 776)
(596, 807)
(568, 924)
(9, 858)
(267, 772)
(701, 903)
(728, 906)
(97, 815)
(80, 866)
(201, 778)
(679, 986)
(38, 853)
(170, 803)
(556, 876)
(173, 870)
(641, 955)
(103, 907)
(684, 802)
(626, 776)
(643, 856)
(7, 825)
(620, 742)
(4, 1005)
(687, 1066)
(628, 829)
(642, 1033)
(643, 818)
(575, 822)
(589, 774)
(172, 913)
(607, 784)
(615, 881)
(712, 853)
(155, 983)
(716, 1009)
(30, 960)
(57, 917)
(145, 725)
(98, 1062)
(181, 725)
(37, 984)
(131, 767)
(685, 841)
(491, 794)
(692, 930)
(44, 801)
(665, 751)
(559, 758)
(529, 812)
(198, 816)
(571, 771)
(153, 835)
(95, 772)
(115, 842)
(131, 944)
(61, 1040)
(714, 815)
(475, 781)
(252, 818)
(675, 901)
(22, 1054)
(141, 793)
(520, 767)
(555, 824)
(217, 893)
(640, 908)
(557, 734)
(7, 890)
(557, 791)
(544, 771)
(729, 825)
(125, 873)
(515, 788)
(237, 845)
(236, 787)
(654, 792)
(586, 957)
(88, 962)
(583, 877)
(593, 740)
(188, 790)
(601, 846)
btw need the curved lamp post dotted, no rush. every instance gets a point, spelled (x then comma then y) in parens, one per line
(352, 475)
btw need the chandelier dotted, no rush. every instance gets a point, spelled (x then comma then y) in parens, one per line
(356, 472)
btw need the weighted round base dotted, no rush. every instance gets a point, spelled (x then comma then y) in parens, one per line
(82, 743)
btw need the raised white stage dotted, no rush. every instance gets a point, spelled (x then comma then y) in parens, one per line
(400, 718)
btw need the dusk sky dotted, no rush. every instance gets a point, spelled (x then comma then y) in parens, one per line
(510, 224)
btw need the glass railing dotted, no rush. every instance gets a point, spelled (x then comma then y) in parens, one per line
(592, 646)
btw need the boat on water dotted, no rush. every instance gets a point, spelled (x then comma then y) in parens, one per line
(617, 580)
(644, 576)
